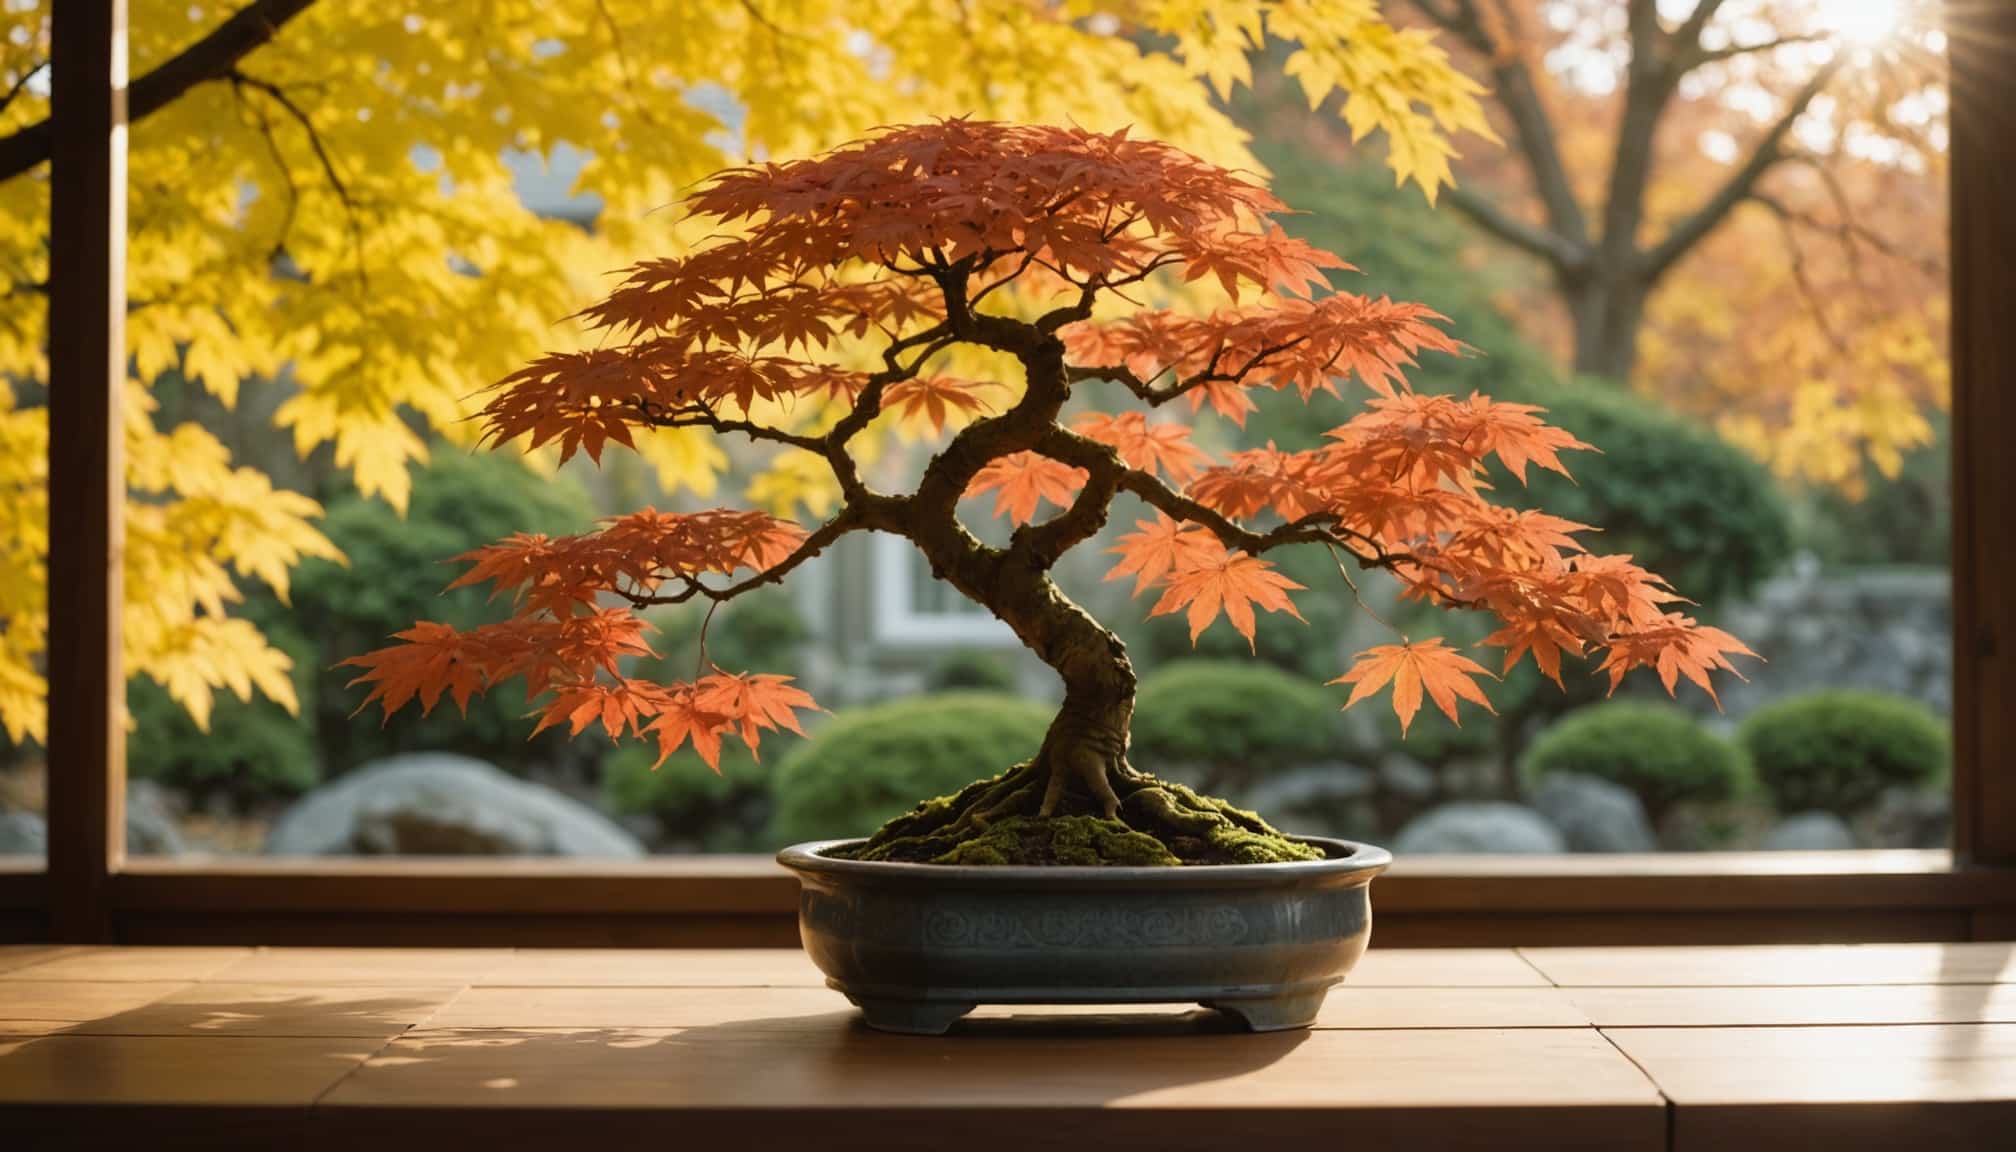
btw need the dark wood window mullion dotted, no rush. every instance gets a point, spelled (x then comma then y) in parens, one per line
(87, 368)
(1983, 56)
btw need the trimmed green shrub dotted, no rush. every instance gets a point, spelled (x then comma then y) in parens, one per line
(1840, 750)
(868, 765)
(1663, 755)
(255, 750)
(970, 670)
(1226, 724)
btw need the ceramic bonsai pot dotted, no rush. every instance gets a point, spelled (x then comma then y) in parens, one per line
(916, 946)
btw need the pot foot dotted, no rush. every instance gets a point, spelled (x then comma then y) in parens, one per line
(1273, 1013)
(915, 1017)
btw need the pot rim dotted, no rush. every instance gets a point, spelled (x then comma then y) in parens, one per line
(1346, 860)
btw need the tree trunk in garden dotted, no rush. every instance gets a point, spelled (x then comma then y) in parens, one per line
(1606, 311)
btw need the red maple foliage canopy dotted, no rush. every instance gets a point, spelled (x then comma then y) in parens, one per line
(909, 243)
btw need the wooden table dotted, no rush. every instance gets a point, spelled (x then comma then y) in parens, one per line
(1892, 1046)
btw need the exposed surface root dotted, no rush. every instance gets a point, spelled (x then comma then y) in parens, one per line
(1153, 822)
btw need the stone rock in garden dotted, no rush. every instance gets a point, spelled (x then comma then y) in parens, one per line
(440, 804)
(1810, 832)
(23, 834)
(1909, 818)
(1407, 777)
(150, 830)
(1318, 800)
(151, 827)
(1480, 828)
(1594, 815)
(1312, 785)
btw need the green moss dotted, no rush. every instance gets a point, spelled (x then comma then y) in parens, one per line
(1081, 840)
(1161, 824)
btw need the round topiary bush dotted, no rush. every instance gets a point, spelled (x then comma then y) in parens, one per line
(1224, 724)
(970, 670)
(1838, 751)
(1659, 752)
(871, 764)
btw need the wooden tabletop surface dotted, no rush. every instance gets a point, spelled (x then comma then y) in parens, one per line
(1866, 1046)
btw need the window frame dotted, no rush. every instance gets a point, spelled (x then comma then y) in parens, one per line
(90, 892)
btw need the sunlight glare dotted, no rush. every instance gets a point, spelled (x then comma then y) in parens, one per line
(1864, 23)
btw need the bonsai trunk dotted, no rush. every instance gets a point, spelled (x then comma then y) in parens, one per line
(1078, 801)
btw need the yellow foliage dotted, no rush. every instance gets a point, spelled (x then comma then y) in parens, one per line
(344, 224)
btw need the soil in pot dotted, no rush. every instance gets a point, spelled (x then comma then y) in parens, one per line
(1157, 822)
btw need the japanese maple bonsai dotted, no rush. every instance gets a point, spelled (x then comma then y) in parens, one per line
(826, 305)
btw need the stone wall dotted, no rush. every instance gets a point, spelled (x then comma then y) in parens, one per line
(1878, 629)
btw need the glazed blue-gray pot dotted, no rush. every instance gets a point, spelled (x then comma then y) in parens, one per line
(917, 946)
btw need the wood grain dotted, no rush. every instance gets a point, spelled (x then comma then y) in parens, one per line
(797, 1008)
(14, 956)
(1737, 1007)
(139, 1070)
(838, 1064)
(128, 963)
(1983, 91)
(372, 966)
(1444, 968)
(220, 1009)
(1920, 1063)
(87, 492)
(657, 967)
(1973, 963)
(77, 1000)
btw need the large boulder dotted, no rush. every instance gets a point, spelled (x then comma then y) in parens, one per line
(1594, 815)
(435, 804)
(1810, 832)
(151, 827)
(23, 834)
(1909, 818)
(1480, 828)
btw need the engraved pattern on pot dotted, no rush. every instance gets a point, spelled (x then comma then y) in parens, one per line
(1041, 926)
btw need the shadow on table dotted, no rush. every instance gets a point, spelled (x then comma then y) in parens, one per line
(831, 1059)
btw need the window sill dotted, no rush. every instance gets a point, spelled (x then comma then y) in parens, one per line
(1761, 897)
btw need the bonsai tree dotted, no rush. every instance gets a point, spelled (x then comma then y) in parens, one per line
(825, 305)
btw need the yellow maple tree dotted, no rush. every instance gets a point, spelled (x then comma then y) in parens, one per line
(323, 199)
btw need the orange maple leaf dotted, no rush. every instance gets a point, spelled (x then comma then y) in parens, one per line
(1146, 447)
(934, 398)
(1431, 664)
(1209, 580)
(758, 703)
(1023, 480)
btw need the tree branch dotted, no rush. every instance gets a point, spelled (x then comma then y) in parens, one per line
(850, 518)
(21, 84)
(1517, 93)
(1103, 464)
(1529, 238)
(706, 418)
(277, 94)
(211, 58)
(1683, 236)
(1687, 37)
